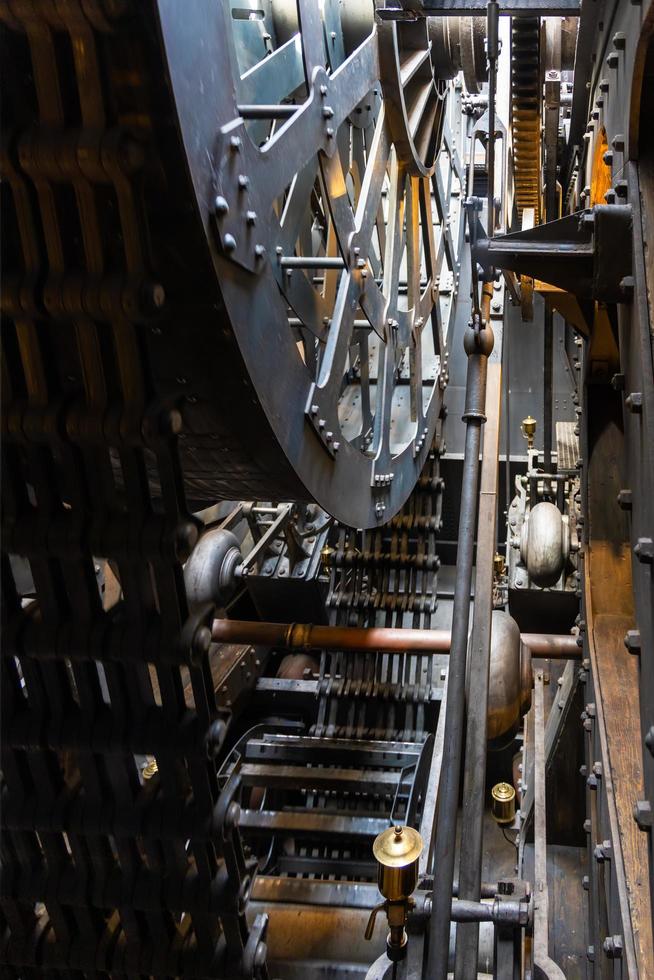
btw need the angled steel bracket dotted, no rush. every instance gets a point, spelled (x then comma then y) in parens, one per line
(588, 253)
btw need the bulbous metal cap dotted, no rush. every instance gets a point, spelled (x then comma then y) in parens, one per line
(397, 847)
(480, 342)
(503, 792)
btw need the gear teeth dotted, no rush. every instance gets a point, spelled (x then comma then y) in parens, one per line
(526, 112)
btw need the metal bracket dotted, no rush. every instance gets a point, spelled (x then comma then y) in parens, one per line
(588, 254)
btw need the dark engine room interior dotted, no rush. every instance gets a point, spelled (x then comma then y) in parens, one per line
(327, 489)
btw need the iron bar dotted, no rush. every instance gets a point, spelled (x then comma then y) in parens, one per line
(332, 894)
(304, 636)
(478, 344)
(467, 8)
(311, 262)
(267, 111)
(493, 51)
(467, 937)
(548, 354)
(542, 961)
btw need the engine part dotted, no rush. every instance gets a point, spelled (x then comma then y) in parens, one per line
(210, 572)
(528, 429)
(232, 260)
(526, 112)
(505, 689)
(503, 797)
(458, 43)
(305, 222)
(545, 544)
(548, 548)
(397, 852)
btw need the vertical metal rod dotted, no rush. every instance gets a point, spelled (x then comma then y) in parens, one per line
(474, 780)
(544, 965)
(478, 344)
(552, 109)
(508, 490)
(548, 351)
(492, 47)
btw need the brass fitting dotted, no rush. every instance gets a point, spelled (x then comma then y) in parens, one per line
(397, 851)
(528, 429)
(503, 803)
(499, 565)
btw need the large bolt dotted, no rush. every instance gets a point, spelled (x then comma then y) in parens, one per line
(643, 814)
(644, 550)
(613, 947)
(632, 641)
(634, 402)
(220, 205)
(624, 500)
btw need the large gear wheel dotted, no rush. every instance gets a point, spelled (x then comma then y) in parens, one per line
(526, 113)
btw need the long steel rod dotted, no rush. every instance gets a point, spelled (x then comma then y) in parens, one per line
(267, 111)
(467, 936)
(478, 344)
(304, 636)
(548, 355)
(311, 262)
(493, 52)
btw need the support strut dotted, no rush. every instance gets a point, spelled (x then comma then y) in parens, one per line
(467, 936)
(478, 345)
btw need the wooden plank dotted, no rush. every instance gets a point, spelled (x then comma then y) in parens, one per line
(616, 678)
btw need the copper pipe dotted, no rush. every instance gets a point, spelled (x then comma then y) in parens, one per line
(552, 646)
(304, 636)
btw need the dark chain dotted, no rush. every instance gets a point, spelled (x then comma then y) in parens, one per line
(105, 873)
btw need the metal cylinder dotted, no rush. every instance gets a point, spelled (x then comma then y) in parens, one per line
(503, 803)
(397, 851)
(304, 636)
(545, 544)
(209, 573)
(504, 691)
(526, 678)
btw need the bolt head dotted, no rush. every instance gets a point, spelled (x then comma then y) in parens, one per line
(220, 205)
(643, 814)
